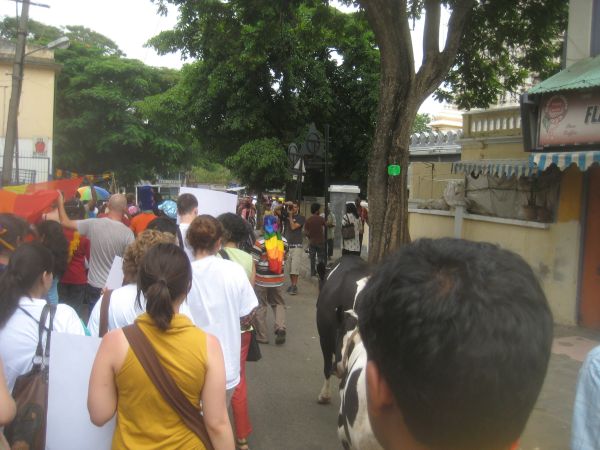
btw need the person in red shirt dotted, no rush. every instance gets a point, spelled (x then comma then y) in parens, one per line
(314, 228)
(71, 288)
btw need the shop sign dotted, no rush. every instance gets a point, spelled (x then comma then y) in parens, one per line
(568, 118)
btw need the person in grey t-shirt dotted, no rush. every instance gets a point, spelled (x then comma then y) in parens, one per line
(108, 238)
(293, 223)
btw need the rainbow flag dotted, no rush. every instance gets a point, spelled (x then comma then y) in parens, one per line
(30, 201)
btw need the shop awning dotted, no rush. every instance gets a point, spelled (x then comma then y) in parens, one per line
(581, 75)
(499, 167)
(583, 160)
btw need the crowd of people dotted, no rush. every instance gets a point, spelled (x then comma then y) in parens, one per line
(196, 293)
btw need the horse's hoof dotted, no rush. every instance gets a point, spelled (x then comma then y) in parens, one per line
(324, 400)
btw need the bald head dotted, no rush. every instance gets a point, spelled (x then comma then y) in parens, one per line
(117, 203)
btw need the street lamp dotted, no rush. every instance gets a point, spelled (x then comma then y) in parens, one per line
(15, 96)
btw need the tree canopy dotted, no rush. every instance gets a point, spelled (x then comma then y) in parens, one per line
(267, 68)
(113, 113)
(260, 164)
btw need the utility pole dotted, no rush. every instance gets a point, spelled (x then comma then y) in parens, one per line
(15, 96)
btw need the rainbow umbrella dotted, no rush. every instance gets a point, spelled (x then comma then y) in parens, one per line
(86, 194)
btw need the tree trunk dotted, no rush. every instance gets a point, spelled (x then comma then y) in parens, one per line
(388, 195)
(401, 92)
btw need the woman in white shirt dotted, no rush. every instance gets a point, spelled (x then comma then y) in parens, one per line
(122, 309)
(351, 246)
(221, 295)
(23, 286)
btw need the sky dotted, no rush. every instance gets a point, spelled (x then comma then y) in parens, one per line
(130, 23)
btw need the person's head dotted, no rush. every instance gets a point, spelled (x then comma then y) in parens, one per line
(75, 209)
(351, 209)
(13, 231)
(166, 225)
(130, 199)
(234, 228)
(204, 234)
(28, 274)
(117, 204)
(52, 237)
(295, 207)
(458, 337)
(278, 211)
(315, 208)
(187, 204)
(138, 248)
(165, 278)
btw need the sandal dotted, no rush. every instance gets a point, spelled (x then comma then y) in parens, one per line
(241, 444)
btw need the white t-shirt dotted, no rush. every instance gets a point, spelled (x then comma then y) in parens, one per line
(19, 337)
(183, 227)
(123, 310)
(220, 295)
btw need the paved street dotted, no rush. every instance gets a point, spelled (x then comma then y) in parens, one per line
(283, 388)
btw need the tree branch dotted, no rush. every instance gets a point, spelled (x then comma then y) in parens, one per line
(436, 65)
(431, 32)
(389, 21)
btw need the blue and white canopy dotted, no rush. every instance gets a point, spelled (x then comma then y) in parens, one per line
(562, 160)
(499, 167)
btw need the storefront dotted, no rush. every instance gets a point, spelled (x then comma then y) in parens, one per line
(561, 129)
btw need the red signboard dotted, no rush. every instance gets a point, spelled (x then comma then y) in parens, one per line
(568, 118)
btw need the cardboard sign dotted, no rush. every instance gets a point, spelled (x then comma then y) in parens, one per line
(115, 276)
(68, 425)
(212, 202)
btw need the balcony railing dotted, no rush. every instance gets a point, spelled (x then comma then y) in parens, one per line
(492, 123)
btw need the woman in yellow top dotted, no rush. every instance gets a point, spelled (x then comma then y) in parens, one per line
(192, 357)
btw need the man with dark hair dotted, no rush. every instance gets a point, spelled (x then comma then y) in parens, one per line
(292, 231)
(458, 337)
(187, 210)
(315, 231)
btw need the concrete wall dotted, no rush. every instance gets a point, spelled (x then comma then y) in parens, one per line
(580, 30)
(429, 179)
(36, 109)
(552, 250)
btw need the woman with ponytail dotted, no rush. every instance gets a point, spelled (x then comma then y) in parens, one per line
(24, 284)
(193, 358)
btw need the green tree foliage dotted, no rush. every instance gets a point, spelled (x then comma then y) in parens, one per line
(260, 164)
(421, 123)
(113, 113)
(269, 68)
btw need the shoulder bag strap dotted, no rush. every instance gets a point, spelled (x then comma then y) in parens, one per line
(165, 384)
(49, 331)
(39, 351)
(223, 254)
(104, 305)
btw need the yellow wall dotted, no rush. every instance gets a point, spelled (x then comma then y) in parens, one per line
(476, 150)
(552, 253)
(429, 179)
(36, 111)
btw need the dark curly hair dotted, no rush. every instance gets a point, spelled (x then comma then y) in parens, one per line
(53, 238)
(234, 228)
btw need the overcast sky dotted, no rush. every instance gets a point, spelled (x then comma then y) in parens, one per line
(130, 23)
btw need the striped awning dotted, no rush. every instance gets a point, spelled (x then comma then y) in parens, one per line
(499, 167)
(562, 160)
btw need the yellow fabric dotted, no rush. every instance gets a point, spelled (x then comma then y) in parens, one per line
(144, 419)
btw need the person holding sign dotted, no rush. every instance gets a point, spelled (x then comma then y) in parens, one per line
(122, 382)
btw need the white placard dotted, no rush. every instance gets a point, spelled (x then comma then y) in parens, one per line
(115, 276)
(68, 424)
(212, 202)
